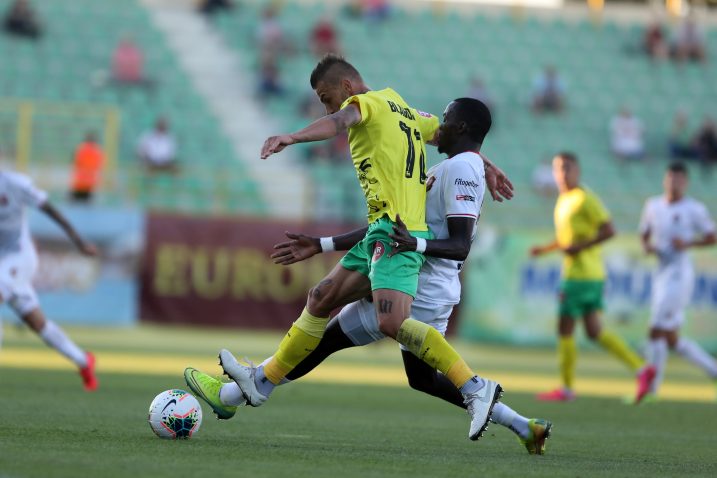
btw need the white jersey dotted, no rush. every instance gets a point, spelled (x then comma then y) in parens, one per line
(685, 219)
(16, 193)
(458, 191)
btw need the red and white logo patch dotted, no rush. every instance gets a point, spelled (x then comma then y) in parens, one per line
(423, 113)
(378, 251)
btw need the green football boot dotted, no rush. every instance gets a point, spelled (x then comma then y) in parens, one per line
(539, 431)
(207, 388)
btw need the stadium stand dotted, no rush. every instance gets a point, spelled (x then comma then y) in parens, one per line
(600, 63)
(62, 69)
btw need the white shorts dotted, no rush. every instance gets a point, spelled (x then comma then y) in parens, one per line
(671, 294)
(360, 324)
(16, 274)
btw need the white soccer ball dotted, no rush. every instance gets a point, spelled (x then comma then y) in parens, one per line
(175, 414)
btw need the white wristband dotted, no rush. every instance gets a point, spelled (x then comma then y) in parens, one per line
(327, 244)
(421, 245)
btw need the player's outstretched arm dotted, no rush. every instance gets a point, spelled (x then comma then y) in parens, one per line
(300, 247)
(536, 251)
(605, 232)
(321, 129)
(456, 247)
(84, 247)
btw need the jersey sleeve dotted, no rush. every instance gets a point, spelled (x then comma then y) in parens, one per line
(27, 193)
(463, 191)
(595, 209)
(703, 223)
(427, 124)
(365, 104)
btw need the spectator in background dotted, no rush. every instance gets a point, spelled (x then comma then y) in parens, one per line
(324, 38)
(654, 43)
(157, 149)
(548, 92)
(543, 179)
(128, 64)
(627, 136)
(706, 142)
(689, 41)
(210, 7)
(270, 36)
(22, 21)
(269, 79)
(87, 169)
(376, 10)
(681, 141)
(479, 92)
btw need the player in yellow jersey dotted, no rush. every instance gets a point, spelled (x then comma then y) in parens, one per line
(581, 224)
(387, 139)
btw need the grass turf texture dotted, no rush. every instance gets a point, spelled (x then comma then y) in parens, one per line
(49, 427)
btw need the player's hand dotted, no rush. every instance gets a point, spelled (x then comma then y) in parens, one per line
(275, 144)
(299, 248)
(536, 251)
(89, 250)
(497, 182)
(680, 245)
(403, 241)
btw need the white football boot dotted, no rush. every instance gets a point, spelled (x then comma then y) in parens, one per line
(243, 375)
(480, 406)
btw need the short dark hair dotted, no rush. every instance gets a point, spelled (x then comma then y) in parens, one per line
(331, 68)
(677, 167)
(568, 156)
(476, 115)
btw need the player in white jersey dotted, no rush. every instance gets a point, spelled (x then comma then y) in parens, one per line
(18, 263)
(671, 224)
(456, 190)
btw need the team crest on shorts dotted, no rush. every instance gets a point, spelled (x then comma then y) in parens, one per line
(378, 251)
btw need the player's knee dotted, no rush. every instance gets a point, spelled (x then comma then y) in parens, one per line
(592, 334)
(321, 300)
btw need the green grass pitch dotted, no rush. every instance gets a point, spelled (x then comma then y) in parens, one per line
(49, 427)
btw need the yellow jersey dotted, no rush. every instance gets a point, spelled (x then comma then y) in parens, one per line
(389, 153)
(579, 213)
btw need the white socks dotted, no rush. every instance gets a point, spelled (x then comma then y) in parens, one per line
(657, 352)
(53, 336)
(690, 350)
(506, 416)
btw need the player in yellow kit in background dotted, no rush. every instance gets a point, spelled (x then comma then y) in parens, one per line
(581, 224)
(387, 140)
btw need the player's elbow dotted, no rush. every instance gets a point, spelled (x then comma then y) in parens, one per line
(462, 251)
(711, 239)
(607, 231)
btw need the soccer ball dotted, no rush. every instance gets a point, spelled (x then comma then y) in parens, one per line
(175, 414)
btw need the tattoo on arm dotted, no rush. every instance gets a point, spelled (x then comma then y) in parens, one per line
(316, 292)
(385, 306)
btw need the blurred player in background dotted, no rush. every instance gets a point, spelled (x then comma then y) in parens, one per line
(581, 224)
(671, 224)
(18, 262)
(456, 190)
(387, 140)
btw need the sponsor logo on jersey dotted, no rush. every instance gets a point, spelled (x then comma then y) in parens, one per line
(463, 182)
(465, 197)
(424, 114)
(378, 251)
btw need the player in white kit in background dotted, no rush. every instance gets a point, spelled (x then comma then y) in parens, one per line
(18, 263)
(671, 224)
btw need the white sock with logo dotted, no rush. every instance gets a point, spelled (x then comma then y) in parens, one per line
(56, 338)
(509, 418)
(691, 350)
(657, 352)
